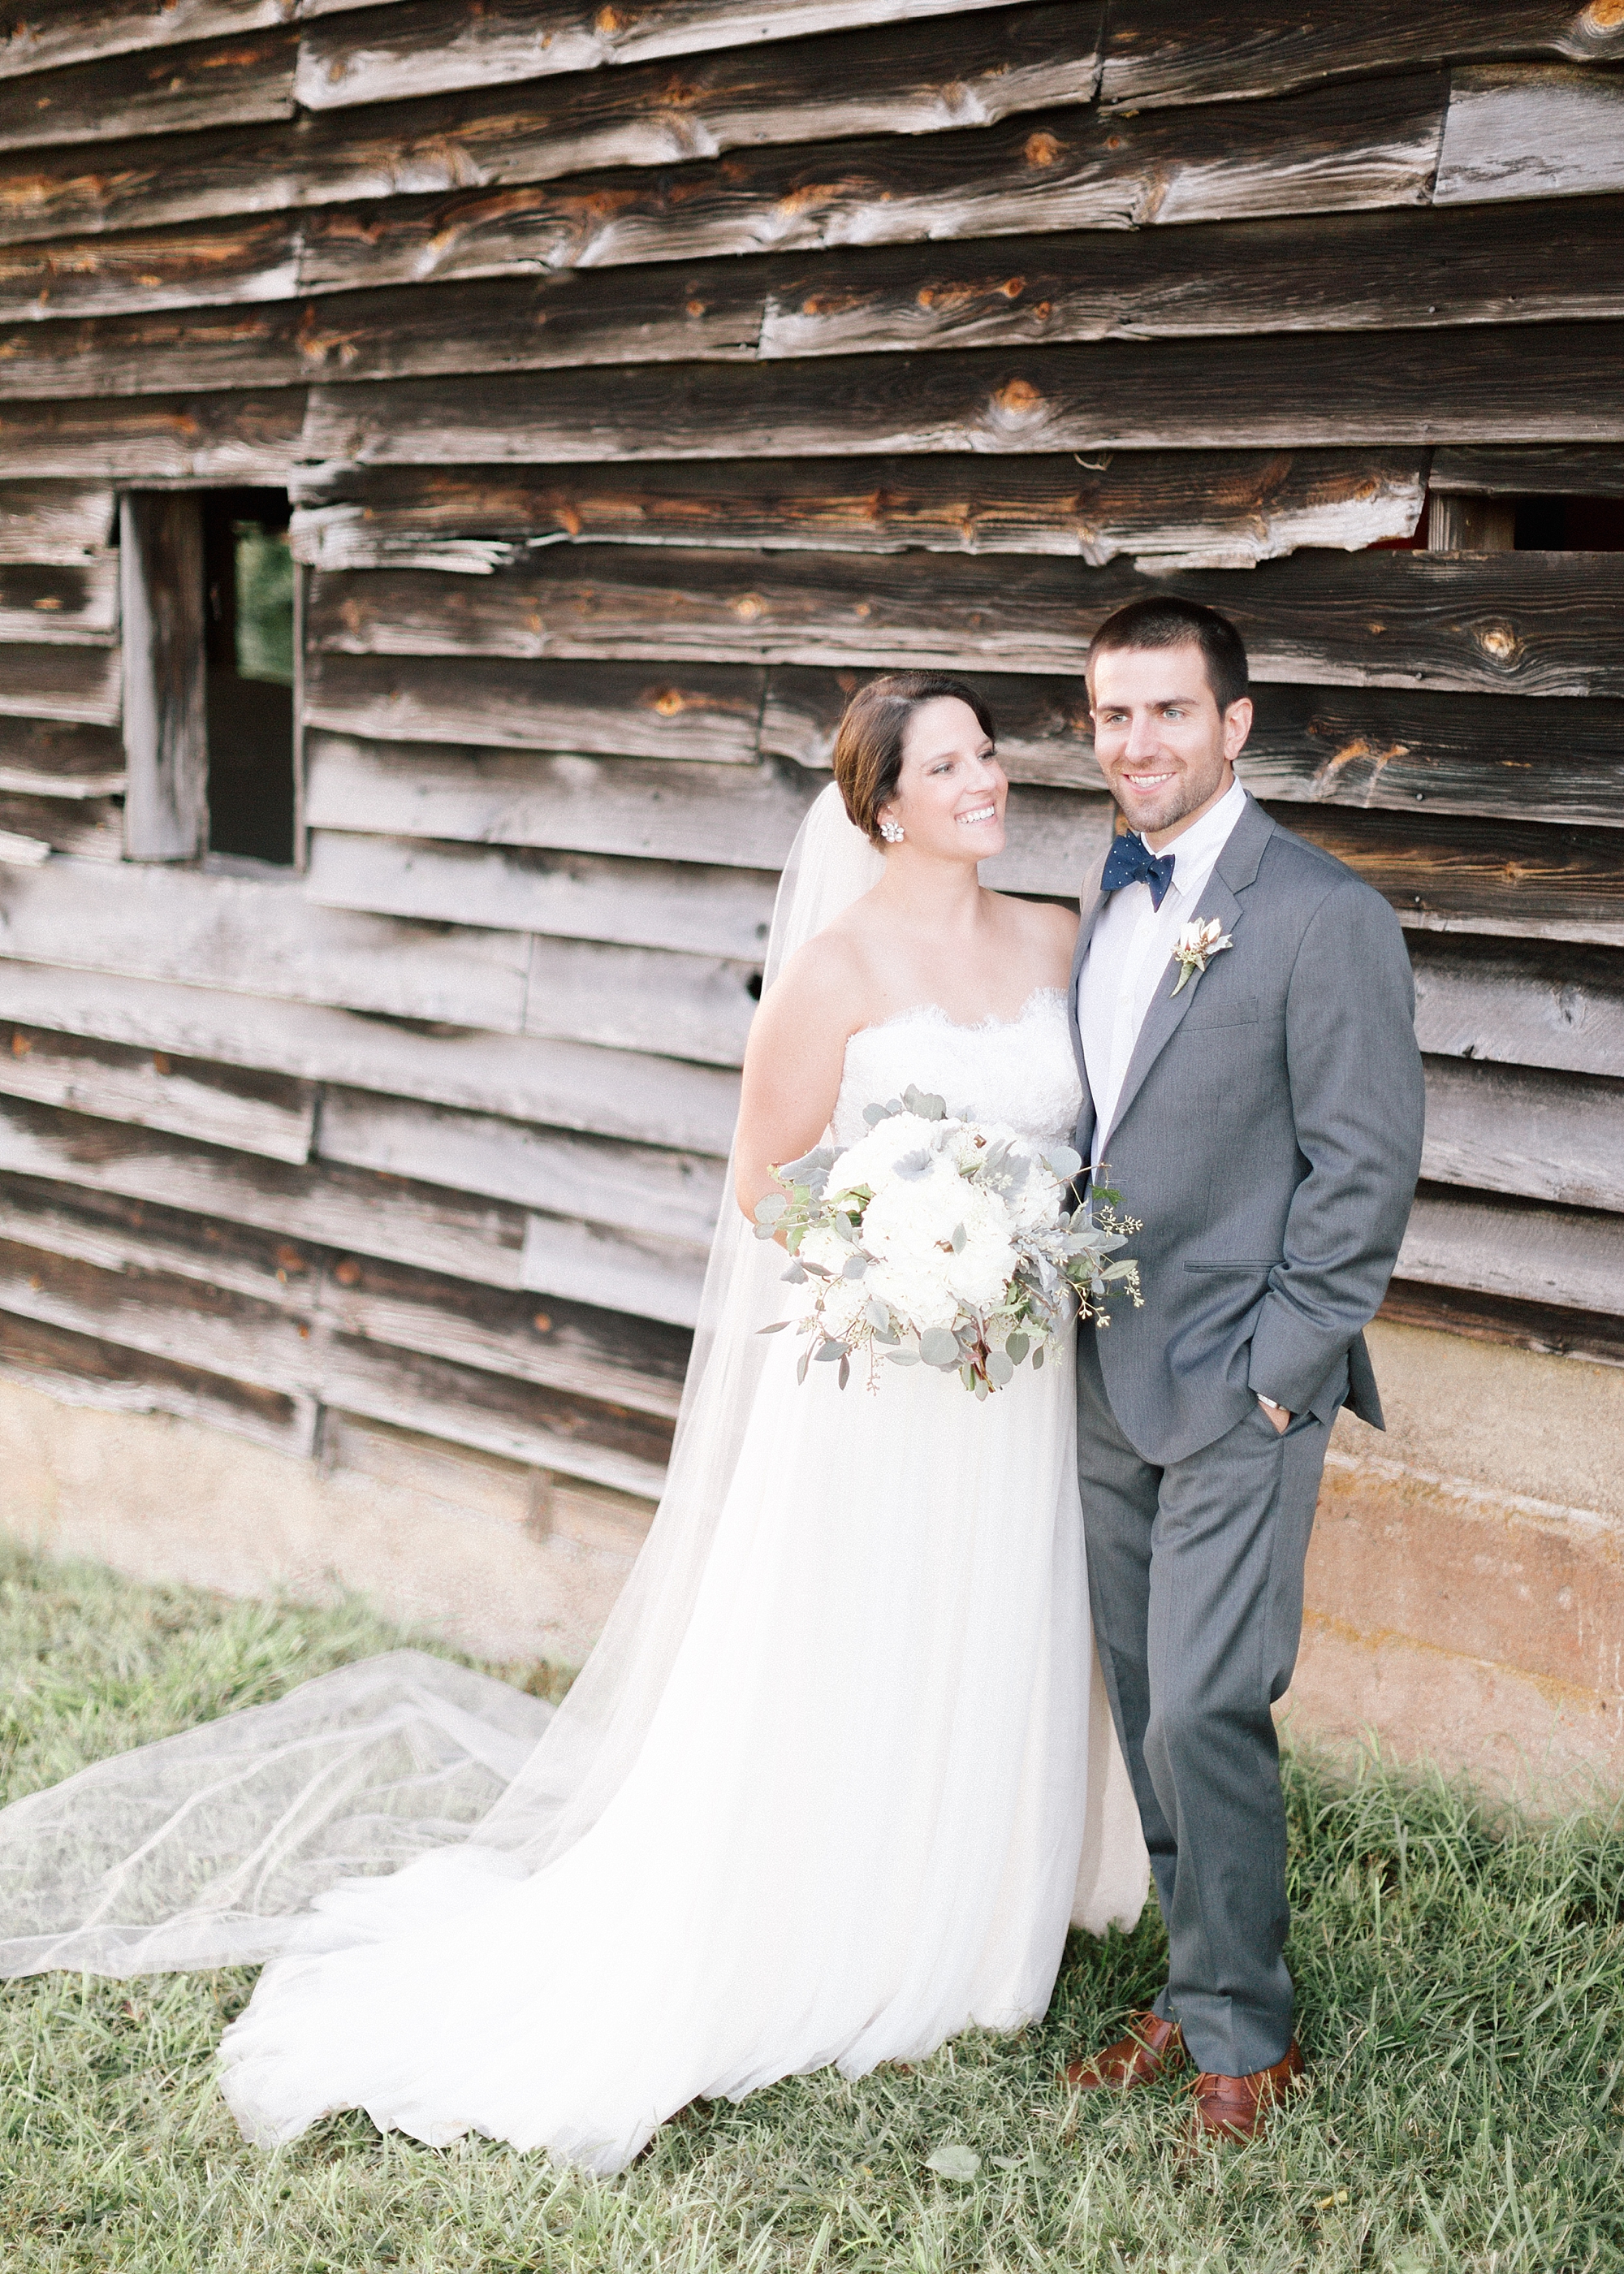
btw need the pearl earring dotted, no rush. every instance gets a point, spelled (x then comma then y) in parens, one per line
(891, 831)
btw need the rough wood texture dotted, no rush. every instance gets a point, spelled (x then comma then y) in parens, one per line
(428, 44)
(1517, 132)
(1517, 879)
(258, 937)
(656, 809)
(1045, 734)
(703, 911)
(1226, 508)
(249, 1112)
(669, 1194)
(84, 31)
(91, 828)
(215, 438)
(656, 1279)
(42, 757)
(1510, 383)
(1569, 1256)
(622, 998)
(166, 726)
(75, 685)
(1529, 623)
(76, 604)
(1493, 999)
(59, 522)
(1543, 1136)
(1470, 525)
(350, 1209)
(210, 84)
(1562, 759)
(246, 258)
(1162, 51)
(1062, 170)
(1499, 1319)
(906, 78)
(1384, 271)
(618, 710)
(1573, 471)
(85, 1371)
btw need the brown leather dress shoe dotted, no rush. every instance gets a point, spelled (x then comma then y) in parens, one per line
(1231, 2109)
(1151, 2049)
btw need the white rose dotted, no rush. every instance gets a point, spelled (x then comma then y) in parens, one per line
(871, 1160)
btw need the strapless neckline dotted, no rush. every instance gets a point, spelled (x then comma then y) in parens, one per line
(1020, 1072)
(991, 1024)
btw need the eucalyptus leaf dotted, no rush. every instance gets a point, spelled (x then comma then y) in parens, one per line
(796, 1275)
(937, 1347)
(828, 1351)
(903, 1357)
(924, 1103)
(845, 1372)
(878, 1316)
(1064, 1162)
(805, 1360)
(855, 1266)
(769, 1210)
(1037, 1359)
(961, 1237)
(777, 1327)
(1018, 1345)
(1000, 1368)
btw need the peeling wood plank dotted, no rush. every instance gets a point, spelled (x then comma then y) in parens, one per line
(223, 438)
(666, 1193)
(619, 999)
(82, 1370)
(1160, 51)
(1517, 131)
(1526, 623)
(1499, 1319)
(90, 828)
(1543, 1136)
(1403, 269)
(344, 1208)
(1566, 1256)
(256, 936)
(429, 44)
(212, 83)
(921, 77)
(249, 1112)
(653, 1278)
(1063, 170)
(1570, 471)
(685, 711)
(595, 1353)
(657, 808)
(72, 604)
(1231, 508)
(704, 911)
(1519, 880)
(520, 1421)
(1502, 1001)
(62, 522)
(1494, 383)
(1470, 754)
(72, 685)
(45, 757)
(84, 31)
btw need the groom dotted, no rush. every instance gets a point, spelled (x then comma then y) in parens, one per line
(1257, 1098)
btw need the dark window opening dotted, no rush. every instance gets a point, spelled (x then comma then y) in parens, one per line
(1569, 524)
(248, 647)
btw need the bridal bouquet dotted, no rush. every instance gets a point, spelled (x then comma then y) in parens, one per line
(939, 1241)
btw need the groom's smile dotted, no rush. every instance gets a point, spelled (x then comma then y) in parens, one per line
(1166, 750)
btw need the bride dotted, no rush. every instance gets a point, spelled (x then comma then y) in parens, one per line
(839, 1774)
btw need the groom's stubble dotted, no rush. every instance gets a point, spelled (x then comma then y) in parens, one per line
(1165, 748)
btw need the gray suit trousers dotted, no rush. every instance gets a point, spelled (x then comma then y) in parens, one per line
(1195, 1573)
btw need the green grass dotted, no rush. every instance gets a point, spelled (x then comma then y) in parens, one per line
(1462, 2002)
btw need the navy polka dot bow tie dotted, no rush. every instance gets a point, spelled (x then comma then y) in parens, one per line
(1130, 860)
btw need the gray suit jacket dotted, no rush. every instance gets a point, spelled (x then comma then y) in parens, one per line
(1269, 1135)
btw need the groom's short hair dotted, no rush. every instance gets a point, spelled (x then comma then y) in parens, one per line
(1162, 620)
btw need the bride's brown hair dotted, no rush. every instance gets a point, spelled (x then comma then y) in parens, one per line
(869, 745)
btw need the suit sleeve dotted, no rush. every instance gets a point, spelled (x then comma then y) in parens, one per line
(1356, 1095)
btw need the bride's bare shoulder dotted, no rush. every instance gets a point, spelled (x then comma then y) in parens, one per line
(1047, 925)
(824, 985)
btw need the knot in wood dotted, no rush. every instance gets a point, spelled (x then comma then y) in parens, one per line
(1500, 641)
(1019, 398)
(1041, 149)
(750, 605)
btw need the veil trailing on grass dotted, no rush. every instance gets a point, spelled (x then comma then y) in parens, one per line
(216, 1848)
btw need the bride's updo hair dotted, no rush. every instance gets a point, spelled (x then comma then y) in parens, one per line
(868, 746)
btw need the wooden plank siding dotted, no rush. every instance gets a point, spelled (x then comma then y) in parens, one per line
(641, 382)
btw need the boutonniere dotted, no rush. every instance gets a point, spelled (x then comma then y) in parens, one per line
(1195, 947)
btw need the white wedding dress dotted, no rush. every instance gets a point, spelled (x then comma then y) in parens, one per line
(841, 1803)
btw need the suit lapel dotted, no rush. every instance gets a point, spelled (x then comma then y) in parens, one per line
(1236, 867)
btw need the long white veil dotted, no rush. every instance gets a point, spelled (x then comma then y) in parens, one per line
(210, 1848)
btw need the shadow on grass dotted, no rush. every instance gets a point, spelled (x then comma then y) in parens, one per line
(1461, 1981)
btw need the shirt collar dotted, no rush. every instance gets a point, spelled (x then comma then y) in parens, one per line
(1195, 850)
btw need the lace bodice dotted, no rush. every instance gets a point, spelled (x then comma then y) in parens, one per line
(1020, 1071)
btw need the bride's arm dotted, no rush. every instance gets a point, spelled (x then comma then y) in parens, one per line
(794, 1062)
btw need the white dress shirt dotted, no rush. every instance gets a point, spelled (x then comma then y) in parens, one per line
(1130, 950)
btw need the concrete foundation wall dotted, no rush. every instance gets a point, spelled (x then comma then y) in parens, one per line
(1465, 1598)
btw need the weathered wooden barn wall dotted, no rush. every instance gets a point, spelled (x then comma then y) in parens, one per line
(641, 376)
